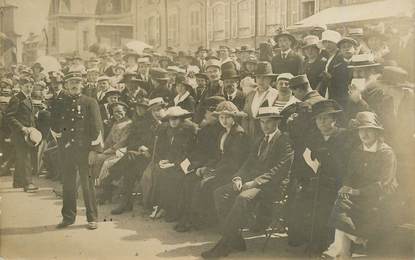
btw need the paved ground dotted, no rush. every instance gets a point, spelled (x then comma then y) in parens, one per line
(28, 232)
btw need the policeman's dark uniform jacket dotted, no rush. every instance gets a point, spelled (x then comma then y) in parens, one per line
(80, 125)
(268, 166)
(20, 113)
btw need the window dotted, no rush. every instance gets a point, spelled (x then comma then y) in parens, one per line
(54, 36)
(307, 9)
(85, 40)
(126, 6)
(219, 24)
(195, 24)
(273, 16)
(152, 30)
(115, 38)
(173, 27)
(244, 18)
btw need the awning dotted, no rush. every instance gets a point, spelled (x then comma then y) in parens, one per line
(114, 25)
(360, 12)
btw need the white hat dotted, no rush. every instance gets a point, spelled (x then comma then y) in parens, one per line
(286, 76)
(34, 137)
(145, 60)
(331, 36)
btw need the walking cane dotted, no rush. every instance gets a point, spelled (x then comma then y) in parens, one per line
(149, 194)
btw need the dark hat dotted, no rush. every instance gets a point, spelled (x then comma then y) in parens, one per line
(164, 58)
(112, 92)
(213, 63)
(328, 106)
(286, 34)
(171, 51)
(119, 103)
(201, 48)
(73, 75)
(129, 77)
(228, 108)
(355, 32)
(202, 76)
(37, 65)
(212, 57)
(181, 79)
(177, 112)
(229, 70)
(25, 80)
(366, 119)
(298, 81)
(212, 102)
(7, 81)
(159, 74)
(224, 47)
(246, 48)
(363, 61)
(264, 68)
(268, 112)
(103, 78)
(347, 39)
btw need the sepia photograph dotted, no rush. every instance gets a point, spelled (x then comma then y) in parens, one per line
(207, 129)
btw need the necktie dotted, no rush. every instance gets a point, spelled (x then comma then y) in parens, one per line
(263, 146)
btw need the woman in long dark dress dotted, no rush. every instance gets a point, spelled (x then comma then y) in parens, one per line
(174, 147)
(371, 176)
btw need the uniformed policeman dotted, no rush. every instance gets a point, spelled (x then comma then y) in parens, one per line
(78, 127)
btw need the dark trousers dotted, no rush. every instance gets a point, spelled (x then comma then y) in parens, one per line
(234, 208)
(129, 168)
(25, 156)
(77, 162)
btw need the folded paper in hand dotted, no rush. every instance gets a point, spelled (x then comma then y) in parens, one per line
(314, 164)
(185, 165)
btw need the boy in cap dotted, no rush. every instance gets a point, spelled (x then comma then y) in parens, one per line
(286, 61)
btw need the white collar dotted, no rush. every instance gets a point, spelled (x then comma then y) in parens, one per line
(178, 99)
(372, 149)
(285, 52)
(233, 95)
(270, 136)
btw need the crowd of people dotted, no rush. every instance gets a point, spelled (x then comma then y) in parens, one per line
(316, 133)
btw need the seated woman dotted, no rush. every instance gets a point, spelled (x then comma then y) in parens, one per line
(173, 148)
(231, 149)
(371, 176)
(115, 140)
(184, 97)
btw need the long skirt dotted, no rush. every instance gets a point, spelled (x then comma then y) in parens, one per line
(169, 188)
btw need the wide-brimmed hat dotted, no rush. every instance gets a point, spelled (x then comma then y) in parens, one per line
(229, 71)
(363, 61)
(37, 65)
(159, 74)
(34, 137)
(347, 39)
(131, 54)
(268, 112)
(7, 81)
(201, 48)
(310, 41)
(103, 78)
(264, 68)
(331, 36)
(393, 74)
(328, 106)
(111, 92)
(366, 119)
(285, 76)
(156, 102)
(286, 34)
(119, 103)
(177, 112)
(73, 75)
(298, 81)
(228, 108)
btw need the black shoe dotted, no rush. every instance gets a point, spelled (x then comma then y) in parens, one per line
(30, 188)
(64, 224)
(92, 225)
(123, 207)
(221, 249)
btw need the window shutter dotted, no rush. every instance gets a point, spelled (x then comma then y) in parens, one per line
(227, 21)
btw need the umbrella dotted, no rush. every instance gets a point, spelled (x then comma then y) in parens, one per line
(49, 63)
(137, 46)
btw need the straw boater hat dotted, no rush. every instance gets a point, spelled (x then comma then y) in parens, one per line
(73, 75)
(287, 35)
(156, 102)
(177, 112)
(363, 61)
(285, 76)
(328, 106)
(331, 36)
(228, 108)
(268, 112)
(366, 120)
(112, 92)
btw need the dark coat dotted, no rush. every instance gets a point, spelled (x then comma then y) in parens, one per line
(338, 81)
(292, 64)
(314, 71)
(239, 100)
(90, 89)
(143, 132)
(188, 103)
(20, 113)
(80, 124)
(374, 175)
(235, 151)
(161, 91)
(272, 167)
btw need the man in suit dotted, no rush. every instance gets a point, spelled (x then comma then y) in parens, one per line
(103, 87)
(91, 86)
(286, 61)
(336, 75)
(314, 63)
(258, 180)
(20, 116)
(79, 130)
(159, 80)
(230, 79)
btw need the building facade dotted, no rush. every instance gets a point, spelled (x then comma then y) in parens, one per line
(33, 48)
(9, 39)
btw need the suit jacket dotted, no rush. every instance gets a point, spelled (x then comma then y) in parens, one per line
(90, 89)
(292, 64)
(161, 91)
(186, 102)
(250, 123)
(238, 100)
(271, 167)
(20, 113)
(314, 71)
(337, 84)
